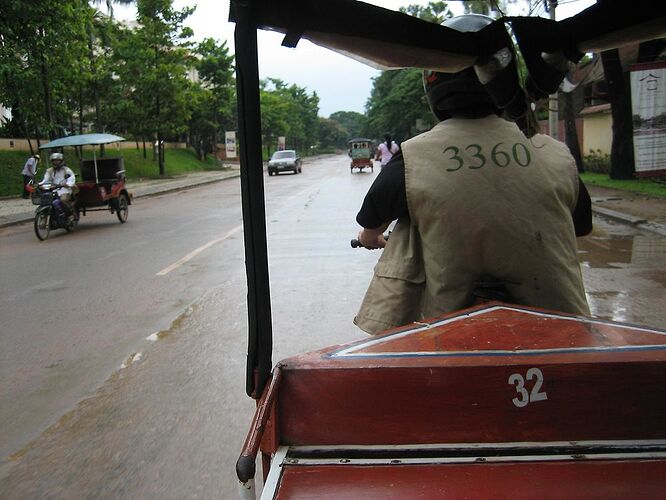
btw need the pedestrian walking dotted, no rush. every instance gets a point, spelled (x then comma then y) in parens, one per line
(29, 171)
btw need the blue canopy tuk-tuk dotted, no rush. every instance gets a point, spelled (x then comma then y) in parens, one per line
(101, 185)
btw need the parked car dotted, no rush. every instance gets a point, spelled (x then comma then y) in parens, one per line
(285, 160)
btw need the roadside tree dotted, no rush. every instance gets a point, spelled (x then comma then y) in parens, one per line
(153, 65)
(354, 123)
(212, 98)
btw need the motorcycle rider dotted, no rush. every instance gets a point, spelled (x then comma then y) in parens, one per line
(63, 176)
(473, 197)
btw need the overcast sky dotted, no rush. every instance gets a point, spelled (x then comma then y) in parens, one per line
(341, 83)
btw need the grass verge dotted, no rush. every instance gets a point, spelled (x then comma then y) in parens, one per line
(647, 186)
(177, 161)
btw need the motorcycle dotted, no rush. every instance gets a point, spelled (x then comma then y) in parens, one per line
(51, 213)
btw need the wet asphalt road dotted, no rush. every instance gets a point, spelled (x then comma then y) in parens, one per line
(170, 422)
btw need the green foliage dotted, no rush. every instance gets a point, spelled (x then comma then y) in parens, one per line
(492, 8)
(11, 165)
(434, 12)
(354, 123)
(41, 69)
(178, 161)
(213, 102)
(597, 161)
(397, 105)
(331, 134)
(66, 69)
(158, 70)
(289, 111)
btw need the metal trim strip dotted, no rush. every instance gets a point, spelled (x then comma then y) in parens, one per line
(477, 459)
(275, 473)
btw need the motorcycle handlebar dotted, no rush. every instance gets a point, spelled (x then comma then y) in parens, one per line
(357, 244)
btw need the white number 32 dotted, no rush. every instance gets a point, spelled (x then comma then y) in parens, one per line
(525, 397)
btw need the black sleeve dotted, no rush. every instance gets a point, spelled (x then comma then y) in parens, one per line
(582, 214)
(386, 199)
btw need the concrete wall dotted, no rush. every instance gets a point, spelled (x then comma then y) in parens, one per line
(597, 132)
(18, 144)
(22, 145)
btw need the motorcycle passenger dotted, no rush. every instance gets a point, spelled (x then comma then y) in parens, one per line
(386, 150)
(63, 176)
(472, 197)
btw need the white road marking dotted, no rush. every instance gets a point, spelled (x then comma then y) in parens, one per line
(197, 251)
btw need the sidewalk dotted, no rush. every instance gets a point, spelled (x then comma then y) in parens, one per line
(623, 206)
(17, 210)
(630, 208)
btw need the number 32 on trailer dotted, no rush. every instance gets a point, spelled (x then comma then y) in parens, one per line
(535, 394)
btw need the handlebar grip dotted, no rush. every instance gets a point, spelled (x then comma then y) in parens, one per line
(355, 243)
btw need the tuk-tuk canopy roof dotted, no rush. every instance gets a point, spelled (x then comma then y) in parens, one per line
(82, 140)
(359, 139)
(387, 39)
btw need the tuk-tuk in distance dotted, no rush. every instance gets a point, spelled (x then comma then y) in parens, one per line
(361, 153)
(100, 187)
(497, 400)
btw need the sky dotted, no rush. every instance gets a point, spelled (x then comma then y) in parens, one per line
(342, 84)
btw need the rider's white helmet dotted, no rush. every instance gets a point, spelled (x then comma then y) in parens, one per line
(56, 156)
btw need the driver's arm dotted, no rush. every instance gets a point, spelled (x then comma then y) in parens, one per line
(582, 214)
(70, 178)
(385, 202)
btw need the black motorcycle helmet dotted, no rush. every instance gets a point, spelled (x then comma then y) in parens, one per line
(459, 93)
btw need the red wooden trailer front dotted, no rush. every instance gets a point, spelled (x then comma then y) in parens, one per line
(496, 401)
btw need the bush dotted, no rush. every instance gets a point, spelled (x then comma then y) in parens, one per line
(597, 161)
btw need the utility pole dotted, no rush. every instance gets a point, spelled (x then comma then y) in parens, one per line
(553, 100)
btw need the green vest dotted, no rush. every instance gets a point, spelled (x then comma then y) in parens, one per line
(484, 201)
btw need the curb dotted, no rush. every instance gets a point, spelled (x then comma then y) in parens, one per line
(23, 218)
(630, 220)
(183, 188)
(618, 216)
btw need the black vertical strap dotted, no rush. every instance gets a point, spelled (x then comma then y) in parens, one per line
(260, 341)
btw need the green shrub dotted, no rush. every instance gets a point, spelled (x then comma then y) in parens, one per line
(597, 161)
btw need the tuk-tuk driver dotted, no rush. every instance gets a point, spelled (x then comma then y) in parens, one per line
(63, 176)
(473, 197)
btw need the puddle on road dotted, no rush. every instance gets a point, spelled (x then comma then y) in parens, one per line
(625, 274)
(656, 275)
(617, 251)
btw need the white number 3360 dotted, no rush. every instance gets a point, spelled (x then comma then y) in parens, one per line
(524, 397)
